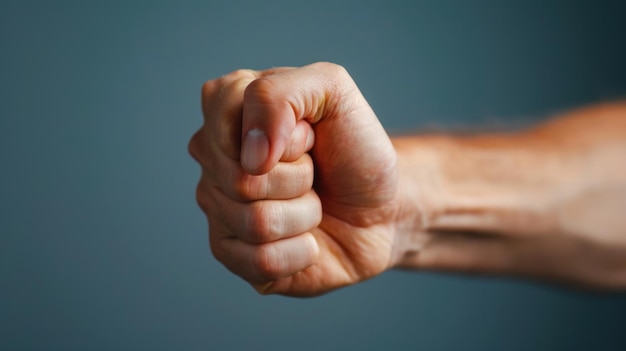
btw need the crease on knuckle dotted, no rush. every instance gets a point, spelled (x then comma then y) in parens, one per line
(250, 187)
(299, 180)
(289, 180)
(267, 263)
(305, 173)
(264, 222)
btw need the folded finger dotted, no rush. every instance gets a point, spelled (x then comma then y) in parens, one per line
(302, 141)
(286, 180)
(269, 220)
(261, 263)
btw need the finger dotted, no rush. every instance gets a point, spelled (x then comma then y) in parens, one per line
(287, 180)
(274, 103)
(222, 103)
(269, 220)
(302, 141)
(261, 263)
(198, 144)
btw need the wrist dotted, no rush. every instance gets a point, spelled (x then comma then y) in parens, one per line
(418, 189)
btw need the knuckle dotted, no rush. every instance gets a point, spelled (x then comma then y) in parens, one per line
(259, 91)
(199, 147)
(209, 87)
(305, 171)
(228, 133)
(332, 68)
(214, 90)
(194, 145)
(248, 187)
(262, 224)
(241, 74)
(202, 198)
(216, 250)
(291, 151)
(294, 180)
(340, 82)
(266, 262)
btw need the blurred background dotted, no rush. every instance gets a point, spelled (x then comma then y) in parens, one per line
(102, 246)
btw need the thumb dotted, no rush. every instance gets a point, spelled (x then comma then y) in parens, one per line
(275, 102)
(267, 124)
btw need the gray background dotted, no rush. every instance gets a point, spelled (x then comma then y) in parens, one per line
(102, 244)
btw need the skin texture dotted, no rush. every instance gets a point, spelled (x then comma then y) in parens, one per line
(305, 192)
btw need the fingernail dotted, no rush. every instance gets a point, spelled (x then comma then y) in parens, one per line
(255, 150)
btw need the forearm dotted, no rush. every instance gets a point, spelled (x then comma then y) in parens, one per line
(479, 183)
(565, 177)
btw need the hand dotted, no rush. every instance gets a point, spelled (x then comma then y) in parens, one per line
(299, 179)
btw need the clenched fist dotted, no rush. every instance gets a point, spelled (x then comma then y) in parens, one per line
(299, 179)
(304, 191)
